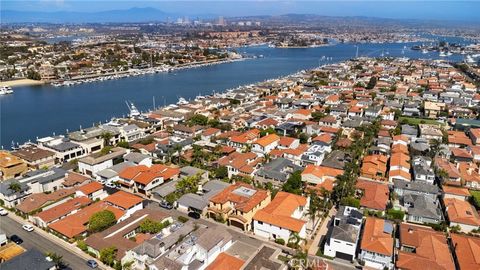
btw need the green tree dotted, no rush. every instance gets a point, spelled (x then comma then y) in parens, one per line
(15, 186)
(108, 255)
(350, 201)
(371, 84)
(123, 144)
(303, 138)
(101, 221)
(188, 184)
(198, 119)
(316, 116)
(82, 245)
(294, 183)
(151, 226)
(106, 136)
(221, 172)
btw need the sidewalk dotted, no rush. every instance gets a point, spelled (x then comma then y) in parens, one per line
(69, 247)
(321, 231)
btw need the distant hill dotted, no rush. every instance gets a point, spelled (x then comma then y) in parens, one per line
(127, 15)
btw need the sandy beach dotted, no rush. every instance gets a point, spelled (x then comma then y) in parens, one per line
(20, 82)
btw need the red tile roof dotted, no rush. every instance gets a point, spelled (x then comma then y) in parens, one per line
(467, 249)
(280, 210)
(63, 209)
(225, 261)
(375, 194)
(76, 224)
(123, 199)
(374, 238)
(90, 188)
(242, 203)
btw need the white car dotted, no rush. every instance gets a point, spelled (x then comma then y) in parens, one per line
(3, 212)
(27, 227)
(111, 185)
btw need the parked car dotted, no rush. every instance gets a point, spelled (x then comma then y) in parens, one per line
(194, 215)
(111, 185)
(27, 227)
(92, 263)
(16, 239)
(3, 212)
(166, 205)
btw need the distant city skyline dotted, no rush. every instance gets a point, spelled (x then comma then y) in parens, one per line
(419, 10)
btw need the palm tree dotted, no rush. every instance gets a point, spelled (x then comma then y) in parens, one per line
(295, 239)
(15, 186)
(106, 136)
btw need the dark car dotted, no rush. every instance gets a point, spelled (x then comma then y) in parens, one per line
(166, 205)
(92, 263)
(194, 215)
(16, 239)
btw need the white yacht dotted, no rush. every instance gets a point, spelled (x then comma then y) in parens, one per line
(182, 101)
(133, 110)
(4, 90)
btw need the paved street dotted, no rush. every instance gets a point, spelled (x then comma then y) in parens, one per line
(35, 240)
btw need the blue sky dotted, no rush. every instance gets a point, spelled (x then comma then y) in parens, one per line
(429, 10)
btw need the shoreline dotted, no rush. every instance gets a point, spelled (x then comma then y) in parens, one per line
(21, 82)
(141, 72)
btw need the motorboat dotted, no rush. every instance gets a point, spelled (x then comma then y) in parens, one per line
(4, 90)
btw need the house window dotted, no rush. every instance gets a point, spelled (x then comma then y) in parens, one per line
(260, 222)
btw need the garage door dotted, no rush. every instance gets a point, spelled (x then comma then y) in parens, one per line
(344, 256)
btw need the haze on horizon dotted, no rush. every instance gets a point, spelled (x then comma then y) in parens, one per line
(466, 11)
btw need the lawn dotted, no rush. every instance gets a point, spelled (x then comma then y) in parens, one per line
(416, 121)
(476, 197)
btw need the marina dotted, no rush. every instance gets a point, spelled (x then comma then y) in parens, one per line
(31, 110)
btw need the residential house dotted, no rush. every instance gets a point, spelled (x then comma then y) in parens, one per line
(374, 167)
(430, 132)
(57, 212)
(374, 195)
(240, 163)
(462, 213)
(266, 258)
(77, 224)
(466, 249)
(284, 216)
(144, 179)
(238, 204)
(138, 159)
(422, 170)
(475, 135)
(32, 182)
(36, 158)
(198, 203)
(96, 162)
(319, 177)
(64, 149)
(343, 236)
(316, 153)
(195, 251)
(376, 249)
(452, 192)
(11, 166)
(43, 201)
(92, 190)
(276, 171)
(121, 234)
(264, 145)
(423, 247)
